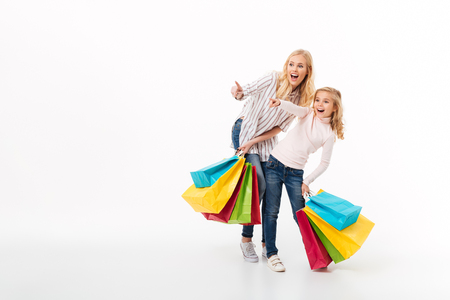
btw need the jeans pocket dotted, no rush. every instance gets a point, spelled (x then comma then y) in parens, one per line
(297, 172)
(270, 164)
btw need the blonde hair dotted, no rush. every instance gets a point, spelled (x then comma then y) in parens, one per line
(337, 116)
(306, 87)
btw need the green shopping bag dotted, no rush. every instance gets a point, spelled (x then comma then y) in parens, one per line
(332, 251)
(243, 208)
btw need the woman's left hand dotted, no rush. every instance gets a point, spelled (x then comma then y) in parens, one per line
(237, 91)
(246, 147)
(305, 189)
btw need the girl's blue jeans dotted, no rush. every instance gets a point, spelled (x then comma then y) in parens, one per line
(278, 174)
(247, 231)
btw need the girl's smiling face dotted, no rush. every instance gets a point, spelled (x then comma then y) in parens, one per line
(324, 105)
(297, 70)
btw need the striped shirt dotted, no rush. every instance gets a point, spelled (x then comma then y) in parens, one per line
(260, 118)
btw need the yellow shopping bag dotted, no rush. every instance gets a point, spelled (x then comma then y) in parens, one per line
(348, 240)
(213, 198)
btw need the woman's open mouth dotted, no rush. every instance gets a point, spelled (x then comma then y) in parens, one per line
(294, 77)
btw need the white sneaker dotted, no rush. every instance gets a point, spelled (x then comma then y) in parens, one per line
(275, 264)
(264, 252)
(248, 250)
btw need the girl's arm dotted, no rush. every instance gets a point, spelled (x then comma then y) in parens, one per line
(266, 135)
(290, 107)
(324, 163)
(254, 88)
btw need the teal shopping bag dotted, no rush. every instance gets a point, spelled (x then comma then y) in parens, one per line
(208, 175)
(336, 211)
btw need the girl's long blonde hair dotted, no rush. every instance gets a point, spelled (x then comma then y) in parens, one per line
(336, 122)
(306, 87)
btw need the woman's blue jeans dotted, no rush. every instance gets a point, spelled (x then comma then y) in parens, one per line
(247, 231)
(278, 174)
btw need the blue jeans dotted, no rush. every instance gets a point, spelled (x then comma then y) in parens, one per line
(277, 174)
(247, 231)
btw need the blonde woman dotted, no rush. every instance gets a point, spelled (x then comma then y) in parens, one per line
(256, 127)
(317, 128)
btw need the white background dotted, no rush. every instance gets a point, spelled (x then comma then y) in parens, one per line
(106, 106)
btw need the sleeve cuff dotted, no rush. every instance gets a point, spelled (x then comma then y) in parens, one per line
(244, 93)
(281, 103)
(307, 181)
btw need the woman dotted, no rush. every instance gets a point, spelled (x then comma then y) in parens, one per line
(255, 129)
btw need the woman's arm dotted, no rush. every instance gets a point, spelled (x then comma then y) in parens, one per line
(254, 88)
(290, 107)
(266, 135)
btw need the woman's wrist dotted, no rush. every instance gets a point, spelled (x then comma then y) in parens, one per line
(239, 95)
(252, 142)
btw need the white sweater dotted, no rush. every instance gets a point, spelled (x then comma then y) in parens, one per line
(305, 138)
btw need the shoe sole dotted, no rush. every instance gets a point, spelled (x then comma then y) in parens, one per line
(252, 260)
(275, 270)
(278, 271)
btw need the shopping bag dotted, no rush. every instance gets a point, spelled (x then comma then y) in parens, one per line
(336, 211)
(225, 213)
(243, 207)
(315, 250)
(213, 199)
(348, 240)
(208, 175)
(332, 251)
(256, 211)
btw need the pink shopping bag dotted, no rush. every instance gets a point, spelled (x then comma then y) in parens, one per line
(317, 254)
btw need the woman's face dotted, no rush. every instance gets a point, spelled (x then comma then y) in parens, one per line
(296, 70)
(324, 105)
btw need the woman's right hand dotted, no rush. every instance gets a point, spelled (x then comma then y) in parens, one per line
(274, 102)
(237, 91)
(246, 147)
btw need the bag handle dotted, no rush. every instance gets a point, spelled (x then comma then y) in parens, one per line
(309, 194)
(240, 153)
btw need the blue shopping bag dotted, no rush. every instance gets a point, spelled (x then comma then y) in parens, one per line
(208, 175)
(336, 211)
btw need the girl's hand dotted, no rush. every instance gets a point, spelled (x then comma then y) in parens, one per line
(246, 147)
(274, 102)
(305, 189)
(237, 91)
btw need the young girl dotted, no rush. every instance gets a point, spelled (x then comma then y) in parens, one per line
(317, 127)
(256, 127)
